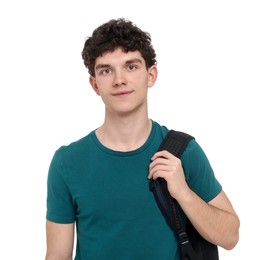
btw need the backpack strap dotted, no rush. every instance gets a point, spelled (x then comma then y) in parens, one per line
(174, 142)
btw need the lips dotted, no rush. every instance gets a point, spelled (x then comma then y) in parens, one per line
(122, 93)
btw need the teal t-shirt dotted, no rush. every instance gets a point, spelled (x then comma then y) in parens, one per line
(107, 194)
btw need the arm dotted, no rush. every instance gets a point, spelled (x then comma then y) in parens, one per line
(216, 221)
(60, 240)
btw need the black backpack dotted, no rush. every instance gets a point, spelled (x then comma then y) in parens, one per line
(192, 245)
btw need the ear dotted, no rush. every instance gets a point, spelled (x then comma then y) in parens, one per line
(152, 75)
(92, 81)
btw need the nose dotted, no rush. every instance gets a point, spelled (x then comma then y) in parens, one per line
(119, 78)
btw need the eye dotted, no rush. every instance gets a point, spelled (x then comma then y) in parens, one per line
(132, 67)
(105, 71)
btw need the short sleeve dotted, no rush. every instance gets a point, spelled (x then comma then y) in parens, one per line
(199, 173)
(59, 201)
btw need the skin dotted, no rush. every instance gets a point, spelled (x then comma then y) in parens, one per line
(59, 239)
(122, 81)
(216, 221)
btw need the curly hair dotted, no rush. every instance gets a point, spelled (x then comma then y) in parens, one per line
(120, 33)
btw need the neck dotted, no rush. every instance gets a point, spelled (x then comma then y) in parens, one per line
(124, 133)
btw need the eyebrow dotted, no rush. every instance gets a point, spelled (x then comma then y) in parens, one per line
(135, 60)
(131, 61)
(101, 66)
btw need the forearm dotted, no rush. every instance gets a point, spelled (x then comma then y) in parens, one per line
(53, 256)
(216, 221)
(59, 240)
(219, 225)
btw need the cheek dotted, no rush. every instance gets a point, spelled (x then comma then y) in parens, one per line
(102, 87)
(104, 83)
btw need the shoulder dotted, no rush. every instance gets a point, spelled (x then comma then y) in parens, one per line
(194, 151)
(160, 130)
(74, 149)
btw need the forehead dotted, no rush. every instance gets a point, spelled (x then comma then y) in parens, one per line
(118, 57)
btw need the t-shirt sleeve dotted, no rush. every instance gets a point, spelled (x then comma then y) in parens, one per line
(59, 201)
(199, 173)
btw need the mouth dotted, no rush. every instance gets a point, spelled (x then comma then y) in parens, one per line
(122, 93)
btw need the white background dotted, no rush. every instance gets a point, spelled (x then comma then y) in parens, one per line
(215, 69)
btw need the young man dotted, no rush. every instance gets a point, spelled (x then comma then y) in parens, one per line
(100, 183)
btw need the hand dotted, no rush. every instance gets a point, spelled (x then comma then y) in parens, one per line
(167, 166)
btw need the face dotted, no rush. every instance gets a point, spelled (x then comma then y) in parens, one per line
(122, 80)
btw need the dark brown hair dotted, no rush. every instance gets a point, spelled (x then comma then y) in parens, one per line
(120, 33)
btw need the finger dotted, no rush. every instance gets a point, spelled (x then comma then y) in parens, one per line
(158, 161)
(164, 154)
(158, 171)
